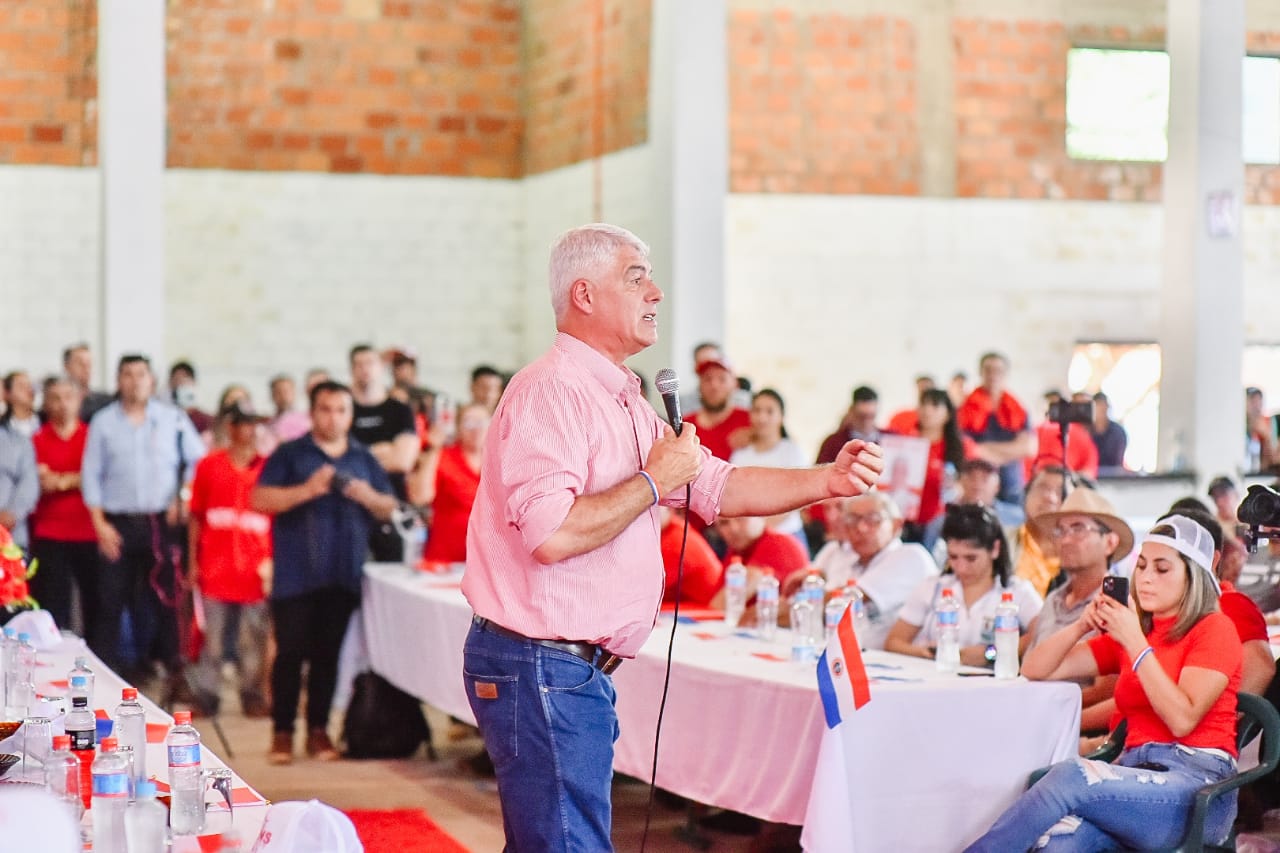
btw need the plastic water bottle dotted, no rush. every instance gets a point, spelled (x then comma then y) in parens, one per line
(767, 607)
(803, 642)
(21, 692)
(81, 723)
(814, 589)
(82, 668)
(948, 655)
(735, 591)
(8, 666)
(129, 725)
(145, 821)
(1006, 628)
(861, 621)
(62, 775)
(833, 613)
(186, 812)
(110, 799)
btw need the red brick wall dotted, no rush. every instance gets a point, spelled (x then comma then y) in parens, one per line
(575, 78)
(822, 104)
(382, 86)
(48, 85)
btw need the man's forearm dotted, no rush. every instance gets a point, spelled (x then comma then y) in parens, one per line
(596, 519)
(769, 491)
(274, 500)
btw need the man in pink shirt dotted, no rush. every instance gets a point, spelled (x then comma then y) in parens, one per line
(564, 569)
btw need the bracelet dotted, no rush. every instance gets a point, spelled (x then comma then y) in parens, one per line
(1142, 654)
(648, 478)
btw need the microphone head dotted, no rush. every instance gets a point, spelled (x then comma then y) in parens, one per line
(666, 382)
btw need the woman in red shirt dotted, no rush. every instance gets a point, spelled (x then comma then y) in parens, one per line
(447, 481)
(1179, 663)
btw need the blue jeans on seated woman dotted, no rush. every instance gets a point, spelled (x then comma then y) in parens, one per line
(1083, 805)
(548, 722)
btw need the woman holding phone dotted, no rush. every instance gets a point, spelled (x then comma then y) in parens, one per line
(1178, 658)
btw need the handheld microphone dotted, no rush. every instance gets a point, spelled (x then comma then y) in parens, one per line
(668, 386)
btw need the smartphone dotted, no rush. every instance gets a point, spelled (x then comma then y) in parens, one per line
(340, 481)
(1116, 587)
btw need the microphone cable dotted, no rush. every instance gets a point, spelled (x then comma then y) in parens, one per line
(666, 680)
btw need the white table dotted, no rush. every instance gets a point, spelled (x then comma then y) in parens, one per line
(52, 666)
(744, 729)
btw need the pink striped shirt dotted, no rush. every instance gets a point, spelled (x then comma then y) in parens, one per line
(571, 423)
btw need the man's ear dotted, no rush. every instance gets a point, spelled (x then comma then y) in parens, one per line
(582, 295)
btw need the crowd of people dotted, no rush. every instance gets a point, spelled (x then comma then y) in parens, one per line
(131, 499)
(176, 539)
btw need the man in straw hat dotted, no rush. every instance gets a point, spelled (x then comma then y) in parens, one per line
(1089, 537)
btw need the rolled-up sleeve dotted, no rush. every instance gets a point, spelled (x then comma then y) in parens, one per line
(544, 464)
(91, 468)
(704, 497)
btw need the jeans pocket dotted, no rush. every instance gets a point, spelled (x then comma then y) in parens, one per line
(565, 673)
(494, 701)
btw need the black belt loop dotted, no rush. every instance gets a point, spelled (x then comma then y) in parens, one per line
(596, 655)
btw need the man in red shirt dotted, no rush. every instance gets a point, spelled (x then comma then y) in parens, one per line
(63, 538)
(722, 426)
(230, 547)
(703, 574)
(759, 547)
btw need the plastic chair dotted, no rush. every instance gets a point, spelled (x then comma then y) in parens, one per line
(1257, 717)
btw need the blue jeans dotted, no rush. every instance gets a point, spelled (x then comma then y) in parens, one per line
(548, 722)
(1090, 805)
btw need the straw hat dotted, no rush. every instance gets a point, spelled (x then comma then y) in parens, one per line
(1088, 502)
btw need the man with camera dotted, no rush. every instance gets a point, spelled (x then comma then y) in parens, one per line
(1090, 536)
(326, 492)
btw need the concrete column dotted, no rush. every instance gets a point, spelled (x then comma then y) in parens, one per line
(131, 153)
(688, 132)
(1202, 297)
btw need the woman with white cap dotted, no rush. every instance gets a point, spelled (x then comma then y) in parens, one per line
(1179, 662)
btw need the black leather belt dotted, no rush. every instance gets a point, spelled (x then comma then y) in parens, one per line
(593, 654)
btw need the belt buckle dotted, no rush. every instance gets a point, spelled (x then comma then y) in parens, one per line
(608, 663)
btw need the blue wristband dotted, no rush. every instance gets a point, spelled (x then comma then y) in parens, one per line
(652, 485)
(1142, 654)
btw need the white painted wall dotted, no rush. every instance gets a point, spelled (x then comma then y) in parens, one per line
(49, 259)
(828, 292)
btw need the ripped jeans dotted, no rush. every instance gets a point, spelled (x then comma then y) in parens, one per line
(1083, 805)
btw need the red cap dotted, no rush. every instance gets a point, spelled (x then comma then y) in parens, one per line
(109, 744)
(948, 593)
(129, 694)
(62, 742)
(1006, 596)
(182, 718)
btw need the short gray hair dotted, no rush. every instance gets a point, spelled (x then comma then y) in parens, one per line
(882, 500)
(585, 252)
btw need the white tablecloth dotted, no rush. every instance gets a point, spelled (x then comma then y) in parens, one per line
(743, 727)
(52, 667)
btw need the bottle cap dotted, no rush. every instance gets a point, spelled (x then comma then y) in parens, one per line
(947, 593)
(129, 694)
(62, 742)
(79, 681)
(10, 633)
(146, 788)
(182, 718)
(1006, 596)
(24, 637)
(82, 662)
(109, 744)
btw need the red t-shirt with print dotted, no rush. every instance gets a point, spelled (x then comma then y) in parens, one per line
(234, 540)
(1212, 643)
(61, 516)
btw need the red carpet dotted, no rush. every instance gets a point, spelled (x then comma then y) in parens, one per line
(401, 831)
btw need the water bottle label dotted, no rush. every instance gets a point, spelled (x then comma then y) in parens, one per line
(184, 756)
(1007, 622)
(111, 785)
(82, 739)
(735, 579)
(767, 593)
(948, 617)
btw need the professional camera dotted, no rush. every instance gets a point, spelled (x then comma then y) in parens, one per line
(1259, 515)
(1064, 412)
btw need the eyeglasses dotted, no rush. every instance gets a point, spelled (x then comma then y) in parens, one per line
(1079, 529)
(871, 519)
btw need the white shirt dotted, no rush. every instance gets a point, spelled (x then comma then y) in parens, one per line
(888, 579)
(784, 454)
(976, 622)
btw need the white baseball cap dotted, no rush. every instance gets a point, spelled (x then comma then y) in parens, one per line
(1190, 540)
(310, 827)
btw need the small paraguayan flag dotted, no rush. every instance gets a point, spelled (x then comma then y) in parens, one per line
(842, 678)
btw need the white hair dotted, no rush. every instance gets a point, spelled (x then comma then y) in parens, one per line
(585, 252)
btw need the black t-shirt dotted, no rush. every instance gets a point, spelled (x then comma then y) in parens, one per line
(386, 421)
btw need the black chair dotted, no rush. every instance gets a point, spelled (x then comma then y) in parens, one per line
(1257, 717)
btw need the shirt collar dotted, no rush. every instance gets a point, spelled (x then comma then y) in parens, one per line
(618, 381)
